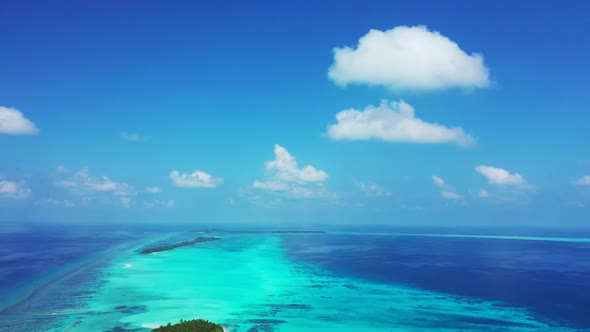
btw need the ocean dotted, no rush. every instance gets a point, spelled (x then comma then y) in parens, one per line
(65, 278)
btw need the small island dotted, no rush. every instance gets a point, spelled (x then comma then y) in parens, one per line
(220, 231)
(195, 325)
(178, 245)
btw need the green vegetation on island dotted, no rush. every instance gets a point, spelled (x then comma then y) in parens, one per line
(195, 325)
(181, 244)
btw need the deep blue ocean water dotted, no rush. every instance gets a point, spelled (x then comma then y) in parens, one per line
(551, 278)
(31, 255)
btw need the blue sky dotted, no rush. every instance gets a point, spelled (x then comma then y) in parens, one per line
(230, 110)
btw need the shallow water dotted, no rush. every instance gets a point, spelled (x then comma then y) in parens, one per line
(252, 282)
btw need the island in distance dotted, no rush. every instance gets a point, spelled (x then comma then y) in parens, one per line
(178, 245)
(218, 231)
(208, 238)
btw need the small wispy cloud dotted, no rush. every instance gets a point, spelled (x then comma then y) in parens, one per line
(52, 202)
(583, 181)
(197, 179)
(373, 189)
(82, 182)
(574, 205)
(132, 137)
(438, 180)
(502, 177)
(153, 190)
(450, 195)
(483, 193)
(160, 203)
(14, 190)
(447, 191)
(125, 202)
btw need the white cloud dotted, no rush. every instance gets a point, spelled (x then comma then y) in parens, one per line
(52, 202)
(102, 183)
(447, 190)
(270, 185)
(373, 189)
(438, 180)
(450, 195)
(583, 181)
(284, 168)
(65, 183)
(500, 176)
(393, 122)
(131, 137)
(126, 202)
(412, 207)
(153, 190)
(124, 189)
(198, 179)
(573, 205)
(13, 190)
(408, 58)
(284, 176)
(483, 193)
(156, 203)
(82, 182)
(13, 122)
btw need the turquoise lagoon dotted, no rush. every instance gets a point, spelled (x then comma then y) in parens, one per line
(248, 283)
